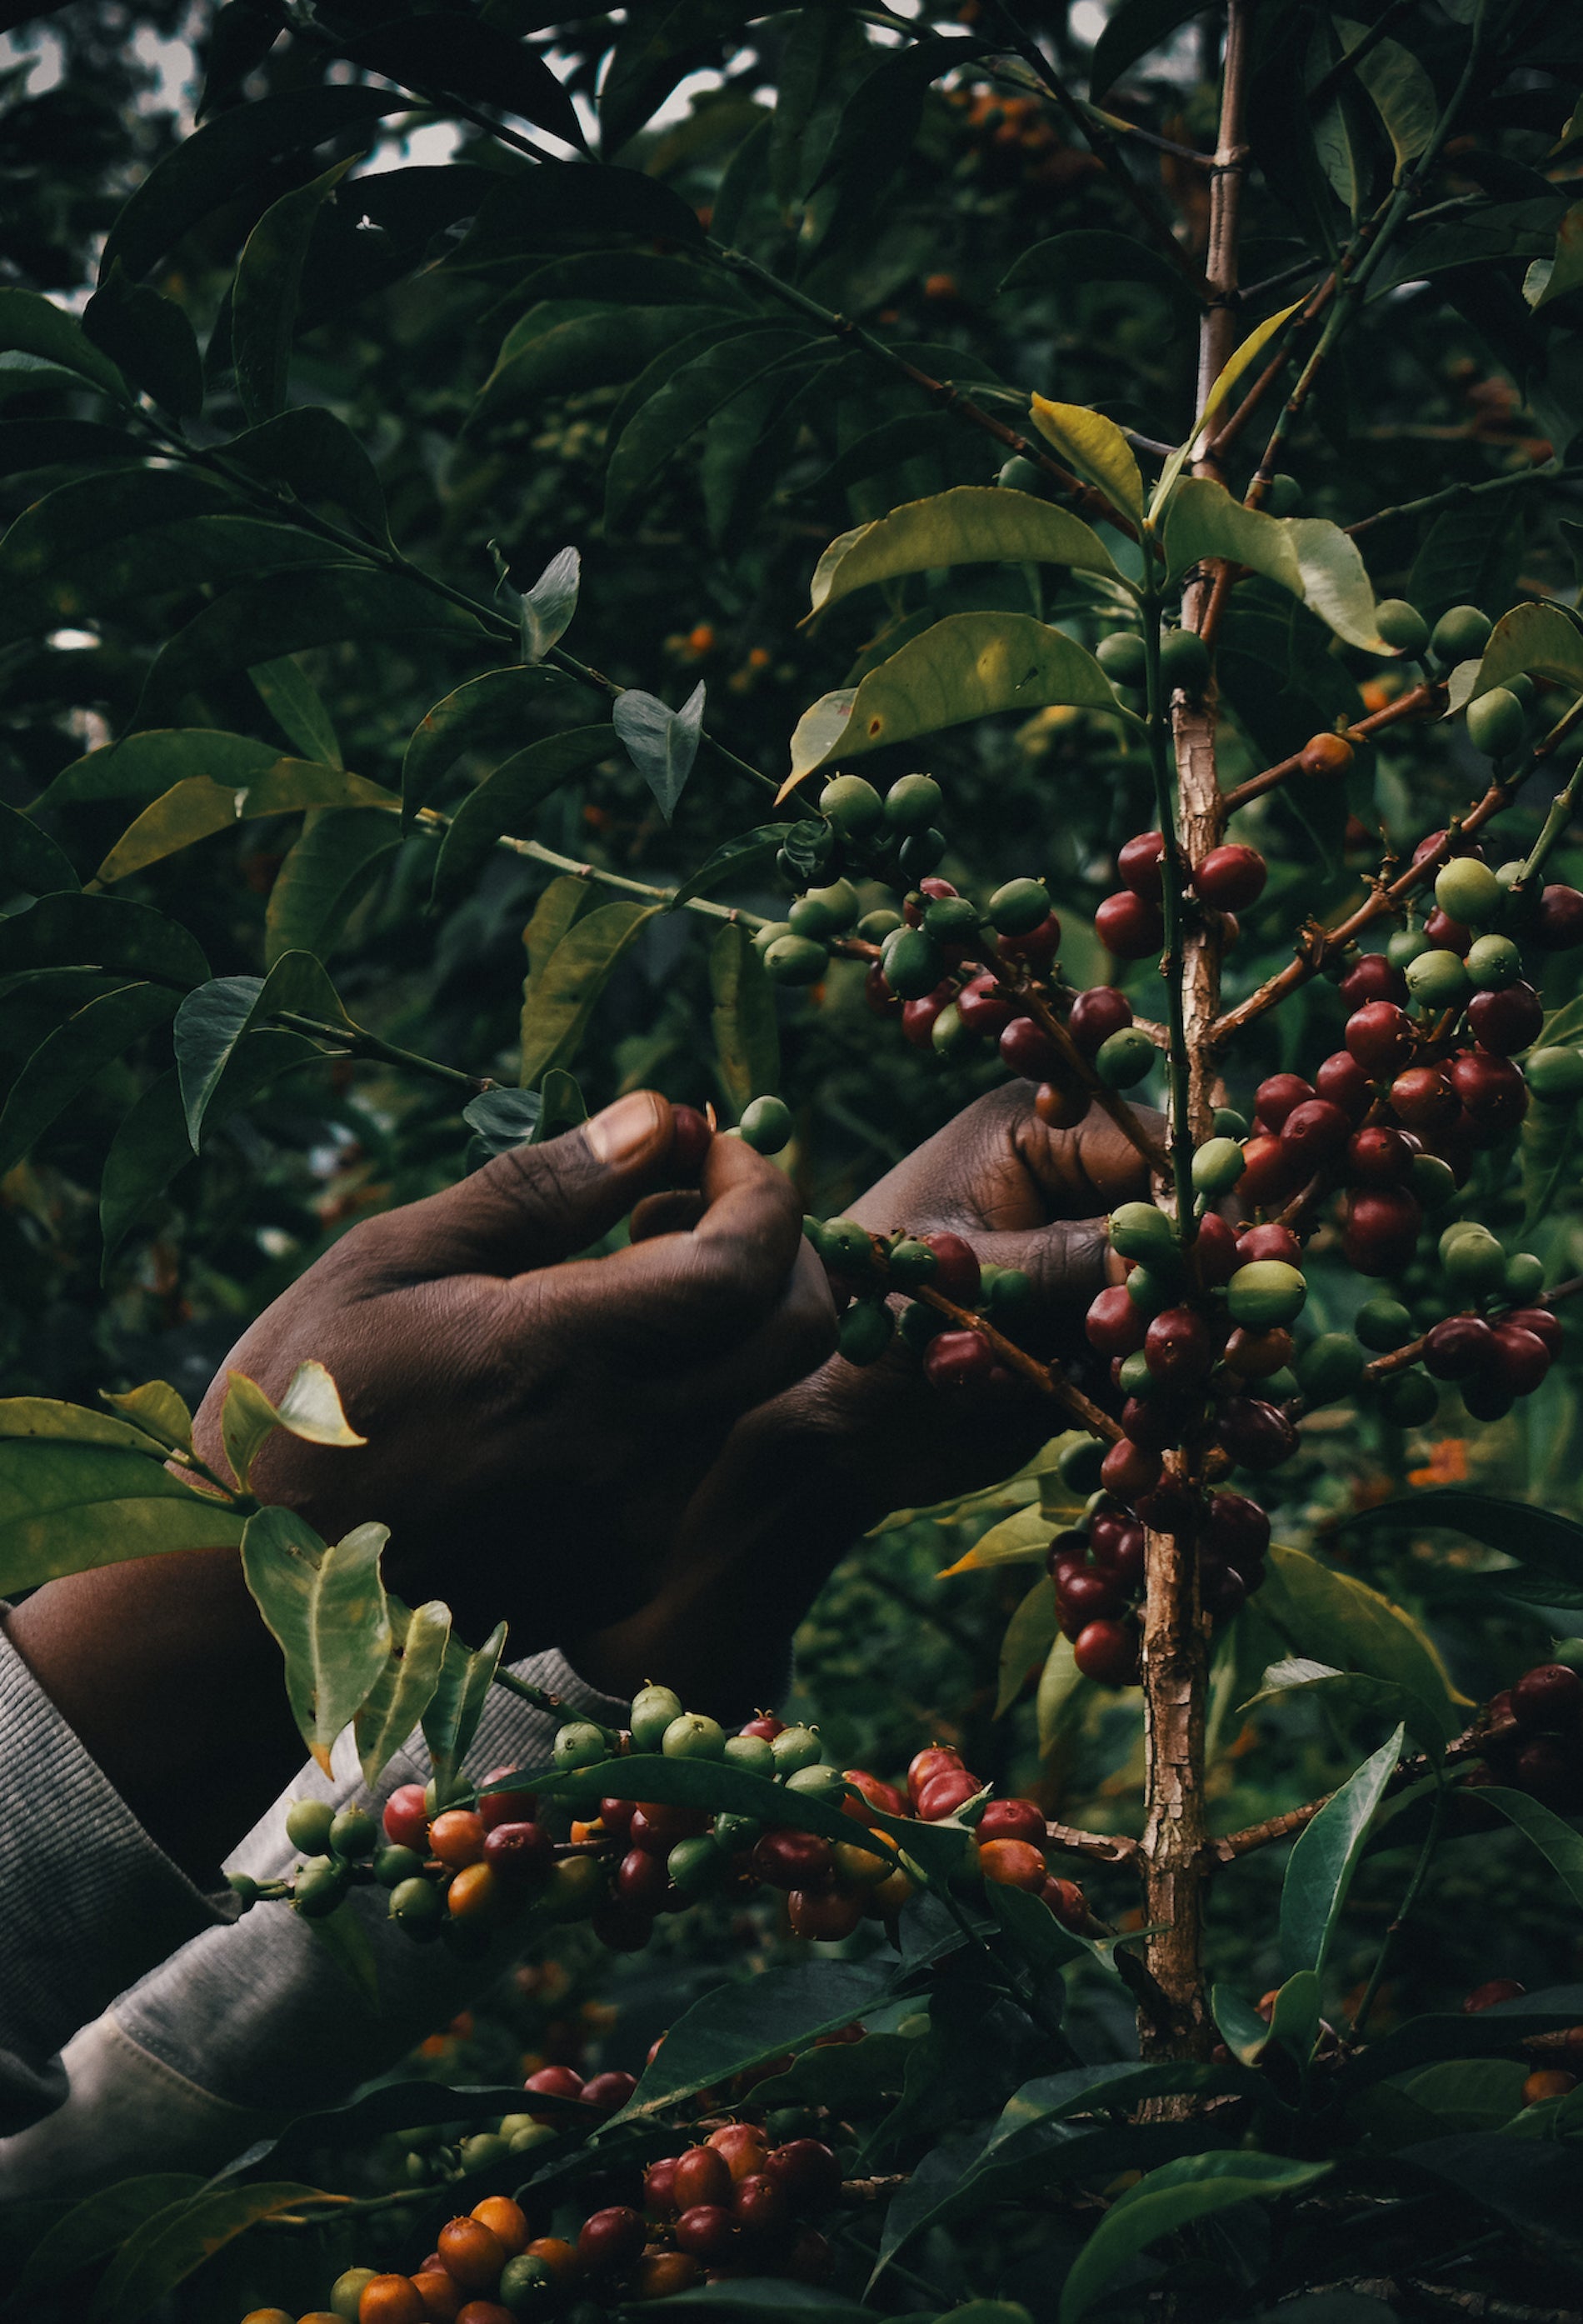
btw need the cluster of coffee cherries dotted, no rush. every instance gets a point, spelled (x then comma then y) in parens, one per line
(892, 839)
(864, 1270)
(1531, 1738)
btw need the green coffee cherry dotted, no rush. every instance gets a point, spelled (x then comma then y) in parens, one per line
(1217, 1166)
(912, 803)
(767, 1125)
(1473, 1260)
(1184, 660)
(1282, 1387)
(1020, 476)
(1493, 962)
(1153, 1289)
(852, 805)
(840, 899)
(913, 1263)
(1285, 496)
(521, 2139)
(1079, 1465)
(346, 2293)
(319, 1887)
(875, 927)
(950, 919)
(921, 854)
(1524, 1279)
(244, 1888)
(796, 960)
(1227, 1122)
(1018, 906)
(911, 962)
(796, 1748)
(693, 1736)
(751, 1753)
(1134, 1377)
(580, 1744)
(919, 1325)
(1382, 1325)
(1401, 625)
(393, 1865)
(1266, 1292)
(865, 1331)
(308, 1825)
(1139, 1231)
(1405, 945)
(1496, 722)
(948, 1035)
(1555, 1075)
(442, 1792)
(1438, 980)
(1329, 1367)
(1006, 1292)
(736, 1831)
(696, 1865)
(575, 1888)
(818, 1783)
(771, 933)
(1123, 658)
(1433, 1182)
(483, 2151)
(848, 1248)
(1467, 890)
(653, 1710)
(1461, 633)
(1124, 1057)
(352, 1834)
(1409, 1398)
(528, 2285)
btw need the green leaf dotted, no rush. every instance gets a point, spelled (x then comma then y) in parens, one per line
(297, 707)
(1017, 1540)
(226, 157)
(1094, 448)
(967, 666)
(1029, 1635)
(1497, 231)
(212, 1021)
(175, 2243)
(149, 340)
(480, 716)
(1236, 363)
(878, 126)
(1062, 1688)
(157, 1409)
(73, 1056)
(563, 902)
(546, 609)
(1192, 2188)
(327, 872)
(1131, 31)
(1332, 1617)
(563, 1107)
(152, 563)
(1537, 1537)
(285, 614)
(1309, 555)
(263, 297)
(564, 357)
(198, 807)
(1472, 2093)
(688, 399)
(662, 744)
(93, 2229)
(1565, 272)
(742, 857)
(504, 1118)
(65, 1508)
(30, 445)
(740, 2026)
(78, 520)
(506, 801)
(1319, 1870)
(1547, 1146)
(1539, 640)
(841, 2075)
(103, 932)
(42, 1419)
(1403, 92)
(316, 456)
(143, 765)
(1554, 1837)
(311, 1408)
(656, 50)
(972, 524)
(456, 1705)
(556, 202)
(1468, 557)
(1068, 262)
(35, 328)
(470, 59)
(559, 1003)
(747, 1035)
(1350, 1689)
(326, 1609)
(32, 864)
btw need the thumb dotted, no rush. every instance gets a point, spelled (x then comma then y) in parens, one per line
(539, 1203)
(1067, 1264)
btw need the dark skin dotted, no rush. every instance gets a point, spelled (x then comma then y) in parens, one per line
(668, 1419)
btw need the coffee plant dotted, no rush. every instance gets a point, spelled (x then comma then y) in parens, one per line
(1103, 496)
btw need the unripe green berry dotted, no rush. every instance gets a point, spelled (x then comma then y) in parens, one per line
(527, 2283)
(1461, 633)
(485, 2150)
(1524, 1279)
(1472, 1260)
(921, 854)
(1227, 1122)
(1283, 498)
(1492, 963)
(1496, 722)
(848, 1247)
(1433, 1182)
(913, 1263)
(580, 1744)
(1554, 1074)
(1020, 476)
(796, 1748)
(346, 2293)
(912, 803)
(734, 1831)
(1018, 906)
(1006, 1292)
(1124, 1057)
(1079, 1465)
(840, 899)
(767, 1124)
(1139, 1231)
(1123, 658)
(1405, 945)
(393, 1865)
(1217, 1166)
(864, 1331)
(1382, 1325)
(852, 804)
(751, 1753)
(244, 1888)
(1438, 980)
(1329, 1367)
(1266, 1292)
(653, 1710)
(875, 927)
(1184, 660)
(308, 1825)
(1467, 890)
(818, 1781)
(796, 960)
(1401, 625)
(1153, 1289)
(352, 1834)
(950, 919)
(811, 916)
(918, 1325)
(693, 1736)
(1134, 1377)
(911, 962)
(771, 933)
(575, 1888)
(696, 1865)
(1410, 1398)
(319, 1886)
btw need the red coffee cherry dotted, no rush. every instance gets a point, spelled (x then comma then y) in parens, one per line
(474, 2254)
(1028, 1050)
(656, 1825)
(390, 2299)
(554, 2082)
(1381, 1231)
(1550, 1695)
(807, 2171)
(1424, 1099)
(1123, 1560)
(983, 1008)
(1170, 1508)
(1139, 863)
(1462, 843)
(882, 1002)
(794, 1859)
(702, 2175)
(691, 1138)
(520, 1855)
(1543, 1323)
(1379, 1035)
(1447, 935)
(759, 2203)
(1458, 1346)
(1378, 1155)
(1013, 1864)
(1559, 926)
(1179, 1348)
(1230, 878)
(1268, 1242)
(1275, 1097)
(1096, 1014)
(661, 2273)
(926, 1765)
(1548, 1771)
(1256, 1435)
(1373, 979)
(1238, 1529)
(1215, 1250)
(406, 1819)
(616, 1816)
(1060, 1106)
(1343, 1082)
(611, 2090)
(1499, 1988)
(958, 1362)
(1127, 1469)
(1115, 1325)
(660, 2196)
(873, 1795)
(1129, 925)
(823, 1917)
(1107, 1653)
(917, 1016)
(641, 1880)
(1314, 1132)
(957, 1275)
(1034, 944)
(1522, 1358)
(1506, 1021)
(1013, 1820)
(946, 1792)
(1255, 1355)
(1154, 1424)
(1491, 1088)
(743, 2145)
(706, 2232)
(508, 1807)
(1221, 1589)
(1090, 1595)
(1268, 1172)
(1325, 755)
(1065, 1899)
(611, 2239)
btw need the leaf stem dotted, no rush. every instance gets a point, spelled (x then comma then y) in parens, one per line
(1174, 868)
(361, 1044)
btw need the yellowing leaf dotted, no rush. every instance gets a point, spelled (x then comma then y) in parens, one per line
(972, 524)
(1313, 558)
(1539, 640)
(1095, 449)
(1252, 348)
(311, 1408)
(194, 809)
(1017, 1540)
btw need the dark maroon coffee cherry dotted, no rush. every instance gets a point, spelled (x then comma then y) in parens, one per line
(1269, 1173)
(1423, 1099)
(1560, 922)
(1036, 944)
(1096, 1014)
(1255, 1436)
(520, 1855)
(1463, 842)
(1378, 1155)
(1486, 1996)
(1522, 1360)
(1491, 1088)
(1127, 1471)
(1457, 1347)
(1548, 1771)
(1028, 1050)
(1129, 925)
(1550, 1696)
(1214, 1251)
(1231, 878)
(1153, 1423)
(1268, 1242)
(1379, 1035)
(957, 1274)
(1139, 863)
(808, 2171)
(1179, 1348)
(1108, 1652)
(1543, 1323)
(983, 1008)
(1275, 1097)
(611, 2239)
(1115, 1325)
(641, 1880)
(1342, 1080)
(1238, 1529)
(794, 1859)
(1123, 1557)
(1170, 1508)
(1487, 1395)
(1089, 1595)
(1447, 935)
(882, 1002)
(1222, 1590)
(1374, 978)
(706, 2232)
(1314, 1132)
(1381, 1231)
(1504, 1022)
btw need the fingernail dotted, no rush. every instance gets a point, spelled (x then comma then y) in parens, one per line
(625, 1127)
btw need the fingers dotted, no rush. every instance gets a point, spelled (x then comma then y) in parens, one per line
(537, 1203)
(792, 1340)
(670, 1214)
(1068, 1264)
(1091, 1168)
